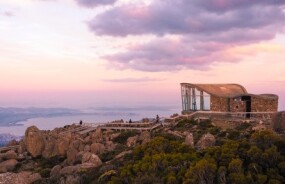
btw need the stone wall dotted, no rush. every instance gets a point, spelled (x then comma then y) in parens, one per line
(237, 106)
(260, 104)
(219, 104)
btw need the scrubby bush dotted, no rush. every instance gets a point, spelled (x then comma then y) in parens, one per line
(123, 137)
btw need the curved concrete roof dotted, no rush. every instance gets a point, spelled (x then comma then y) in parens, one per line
(226, 90)
(220, 90)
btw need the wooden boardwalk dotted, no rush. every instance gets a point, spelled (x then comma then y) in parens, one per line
(197, 115)
(119, 126)
(90, 129)
(130, 127)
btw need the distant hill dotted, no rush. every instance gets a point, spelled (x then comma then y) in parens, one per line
(10, 116)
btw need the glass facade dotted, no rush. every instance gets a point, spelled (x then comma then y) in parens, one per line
(194, 99)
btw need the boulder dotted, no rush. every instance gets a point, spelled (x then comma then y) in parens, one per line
(23, 177)
(122, 154)
(76, 144)
(108, 135)
(114, 136)
(71, 155)
(8, 155)
(72, 179)
(207, 140)
(87, 139)
(49, 147)
(34, 177)
(144, 137)
(85, 157)
(81, 147)
(62, 145)
(189, 139)
(34, 141)
(87, 148)
(97, 148)
(69, 170)
(8, 165)
(132, 141)
(97, 136)
(91, 158)
(94, 159)
(22, 147)
(110, 146)
(79, 156)
(55, 171)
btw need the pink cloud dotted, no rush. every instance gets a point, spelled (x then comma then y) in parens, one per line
(207, 30)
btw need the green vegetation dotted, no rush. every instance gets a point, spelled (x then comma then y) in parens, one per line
(109, 155)
(123, 137)
(240, 156)
(44, 165)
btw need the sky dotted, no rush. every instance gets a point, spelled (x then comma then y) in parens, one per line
(86, 53)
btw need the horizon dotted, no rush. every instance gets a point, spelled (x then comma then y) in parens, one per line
(82, 53)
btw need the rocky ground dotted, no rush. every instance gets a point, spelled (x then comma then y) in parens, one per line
(62, 156)
(59, 155)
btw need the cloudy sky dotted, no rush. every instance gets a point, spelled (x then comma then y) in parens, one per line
(82, 53)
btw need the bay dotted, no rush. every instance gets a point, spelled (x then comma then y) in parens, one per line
(103, 116)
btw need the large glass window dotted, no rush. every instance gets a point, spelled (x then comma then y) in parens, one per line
(194, 99)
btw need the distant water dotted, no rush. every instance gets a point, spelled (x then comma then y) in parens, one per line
(103, 116)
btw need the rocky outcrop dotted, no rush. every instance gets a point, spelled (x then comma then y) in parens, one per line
(132, 141)
(91, 158)
(97, 136)
(8, 155)
(87, 148)
(122, 154)
(22, 147)
(70, 179)
(207, 140)
(71, 155)
(76, 144)
(34, 141)
(110, 146)
(144, 137)
(97, 148)
(69, 170)
(114, 136)
(55, 171)
(8, 165)
(189, 139)
(49, 146)
(62, 144)
(79, 156)
(19, 178)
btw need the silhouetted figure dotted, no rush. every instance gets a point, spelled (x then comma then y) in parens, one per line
(157, 118)
(80, 123)
(130, 121)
